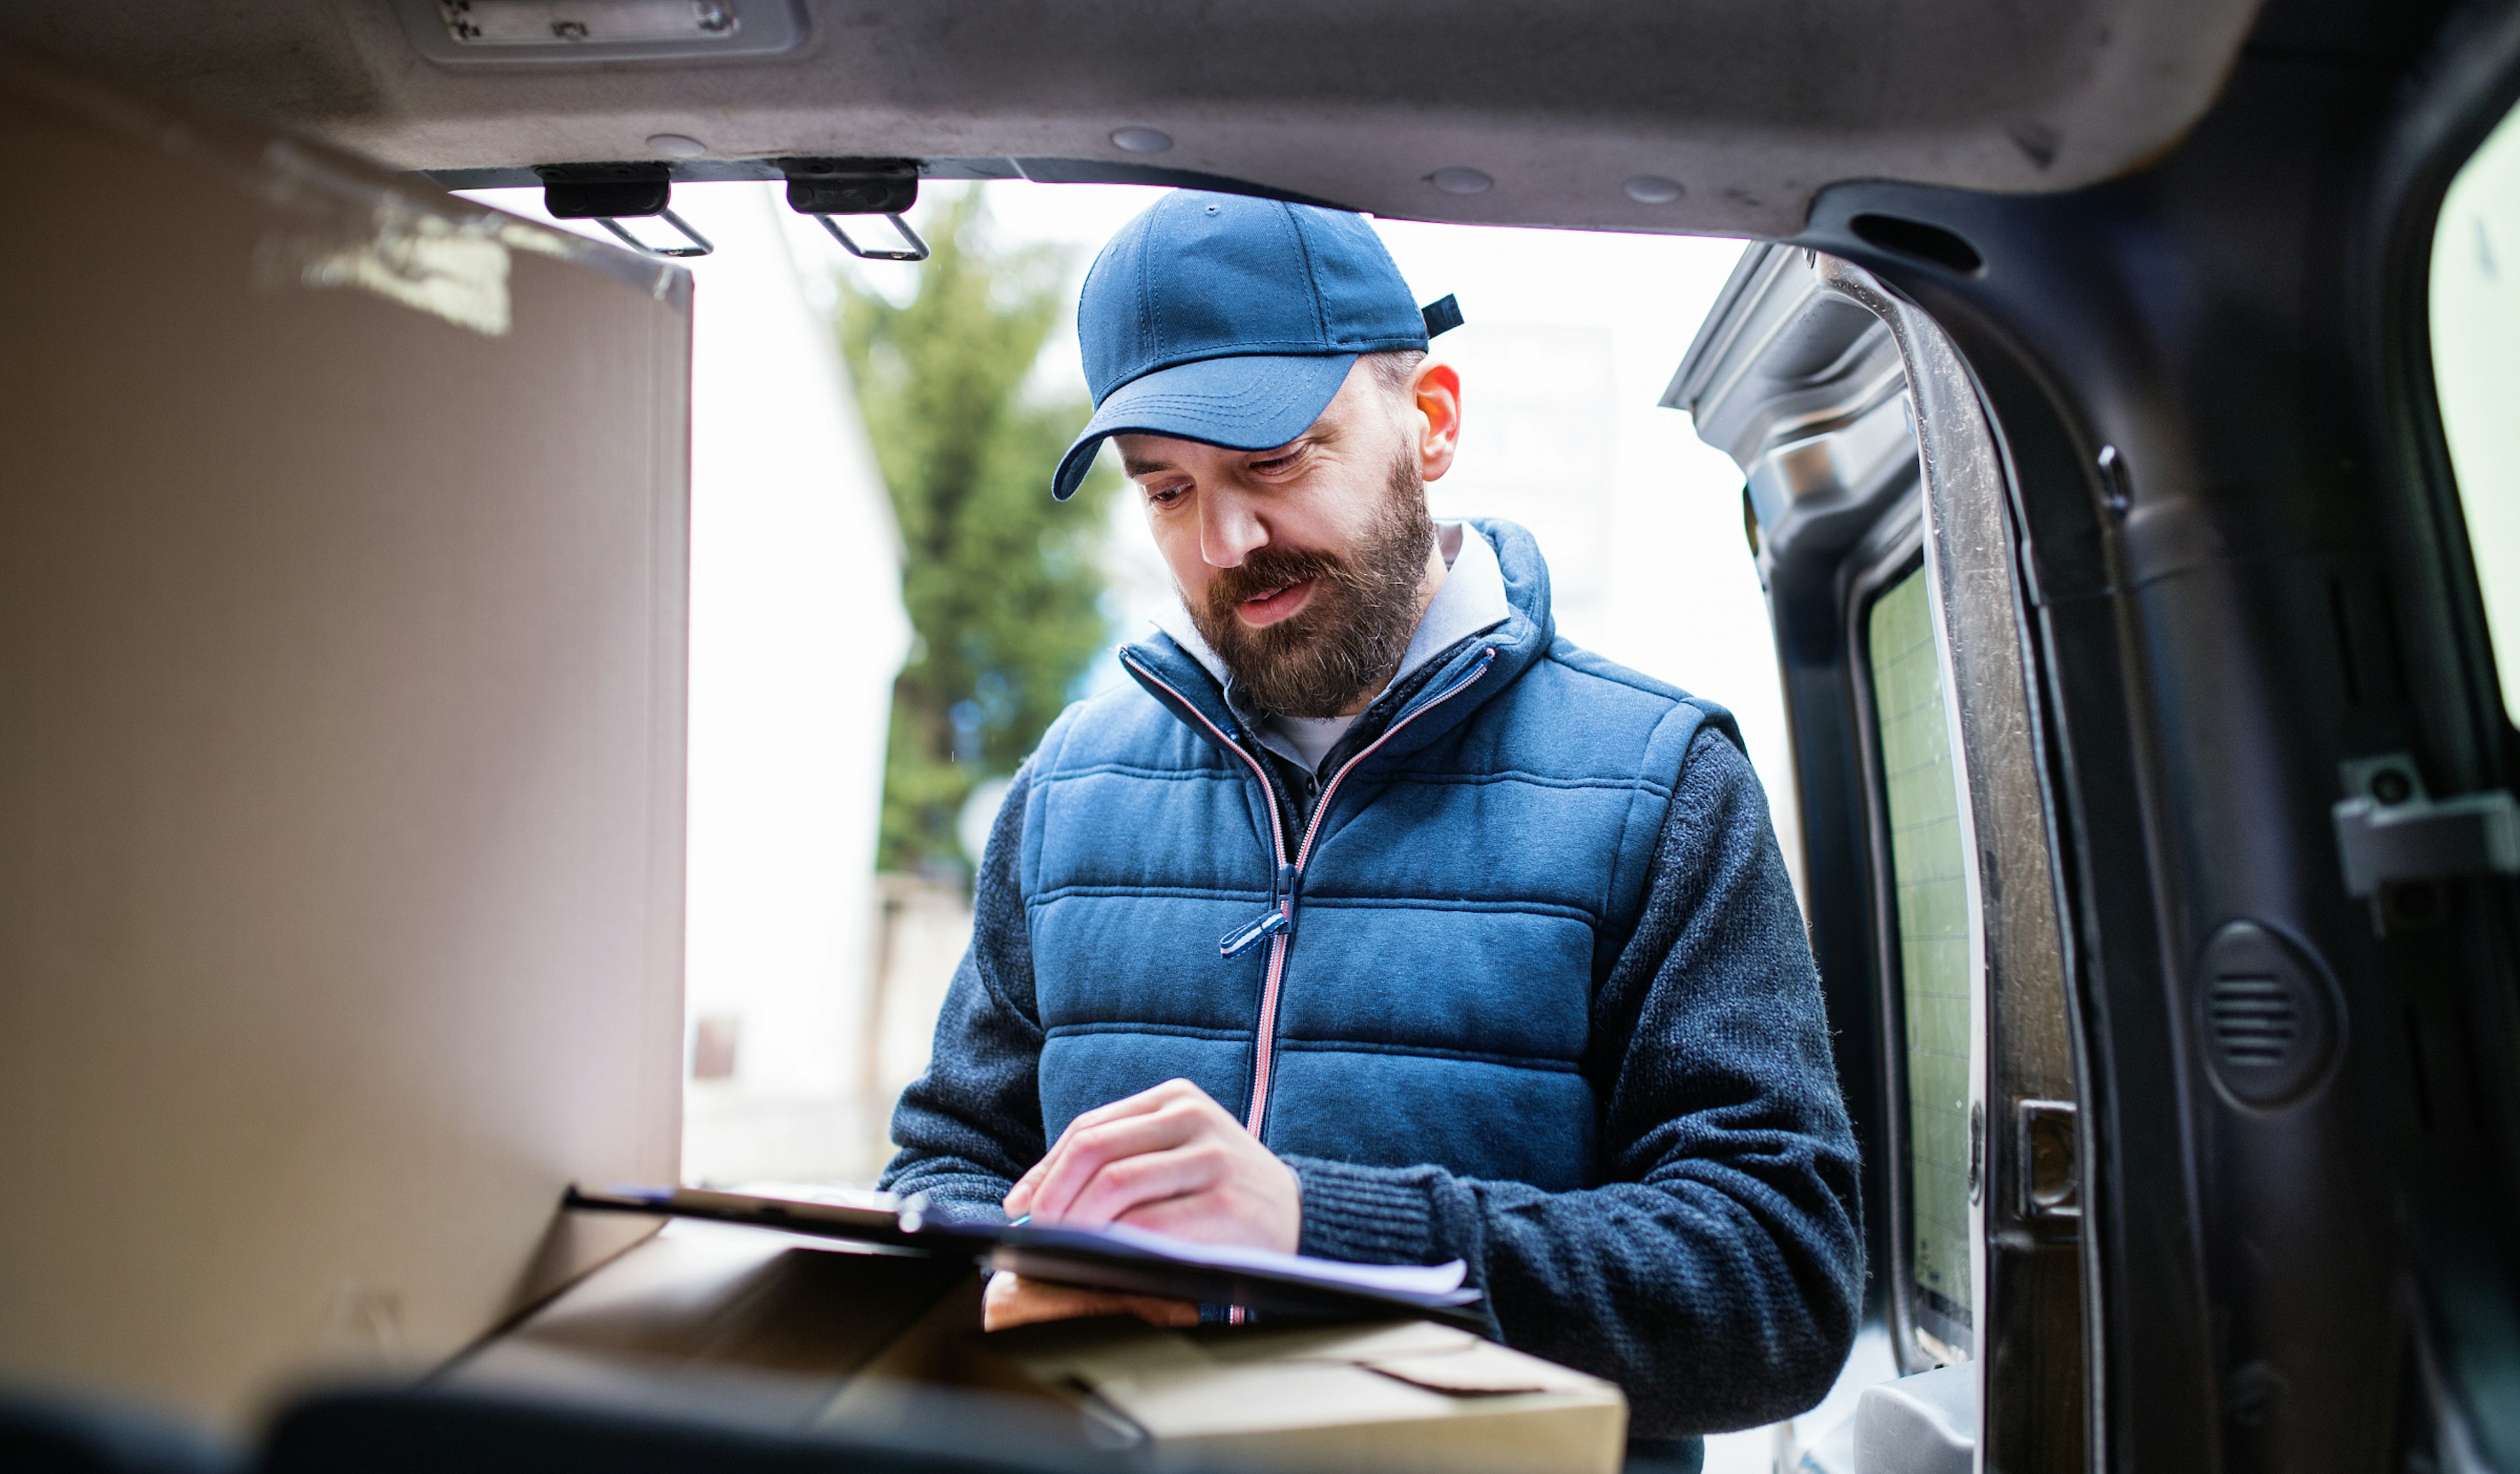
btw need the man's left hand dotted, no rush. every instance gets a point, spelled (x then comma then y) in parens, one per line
(1170, 1160)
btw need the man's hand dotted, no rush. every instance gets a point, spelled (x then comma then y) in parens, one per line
(1012, 1299)
(1169, 1160)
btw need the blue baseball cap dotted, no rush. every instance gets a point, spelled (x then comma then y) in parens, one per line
(1233, 321)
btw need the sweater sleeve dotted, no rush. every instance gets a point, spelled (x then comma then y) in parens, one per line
(1717, 1273)
(972, 1125)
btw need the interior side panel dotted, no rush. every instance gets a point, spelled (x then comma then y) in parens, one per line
(2235, 602)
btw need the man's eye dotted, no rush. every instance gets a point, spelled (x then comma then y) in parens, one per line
(1273, 464)
(1165, 496)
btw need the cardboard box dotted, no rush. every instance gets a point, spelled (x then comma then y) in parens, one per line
(342, 533)
(809, 1333)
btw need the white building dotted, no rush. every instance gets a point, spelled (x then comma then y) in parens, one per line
(797, 633)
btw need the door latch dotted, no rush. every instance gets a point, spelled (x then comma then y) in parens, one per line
(2052, 1170)
(2389, 829)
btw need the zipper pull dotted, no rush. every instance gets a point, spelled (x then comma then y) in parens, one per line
(1279, 918)
(1251, 933)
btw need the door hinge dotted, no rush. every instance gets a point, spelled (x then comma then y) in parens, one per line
(2389, 829)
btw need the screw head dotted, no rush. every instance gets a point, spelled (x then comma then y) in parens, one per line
(1458, 179)
(2117, 496)
(1142, 140)
(1653, 189)
(675, 146)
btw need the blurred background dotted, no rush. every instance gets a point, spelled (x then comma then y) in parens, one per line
(888, 608)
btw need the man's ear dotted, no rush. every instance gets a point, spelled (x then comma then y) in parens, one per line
(1436, 389)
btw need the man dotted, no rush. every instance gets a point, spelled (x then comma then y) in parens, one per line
(1373, 920)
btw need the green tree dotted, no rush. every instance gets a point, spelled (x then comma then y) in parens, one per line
(1003, 586)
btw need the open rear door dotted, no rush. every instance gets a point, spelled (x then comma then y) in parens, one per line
(1875, 504)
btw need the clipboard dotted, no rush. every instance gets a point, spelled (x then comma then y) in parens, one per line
(1129, 1260)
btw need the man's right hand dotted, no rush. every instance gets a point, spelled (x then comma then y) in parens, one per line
(1171, 1160)
(1012, 1299)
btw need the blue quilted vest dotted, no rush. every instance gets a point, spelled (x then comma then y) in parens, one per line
(1421, 957)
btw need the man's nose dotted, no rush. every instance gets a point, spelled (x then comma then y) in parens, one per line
(1228, 528)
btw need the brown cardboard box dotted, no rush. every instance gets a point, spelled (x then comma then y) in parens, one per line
(831, 1334)
(343, 537)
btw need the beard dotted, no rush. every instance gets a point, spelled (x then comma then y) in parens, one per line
(1348, 639)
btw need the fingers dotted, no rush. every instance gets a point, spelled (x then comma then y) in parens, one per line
(1012, 1300)
(1252, 1198)
(1020, 1198)
(1170, 1093)
(1201, 1218)
(1090, 1160)
(1118, 1188)
(1185, 1101)
(1176, 1314)
(1081, 1152)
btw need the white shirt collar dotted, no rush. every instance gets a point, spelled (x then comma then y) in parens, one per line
(1470, 601)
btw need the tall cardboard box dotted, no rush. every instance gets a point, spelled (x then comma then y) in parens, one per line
(341, 649)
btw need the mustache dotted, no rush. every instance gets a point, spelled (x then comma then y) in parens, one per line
(1266, 571)
(1354, 626)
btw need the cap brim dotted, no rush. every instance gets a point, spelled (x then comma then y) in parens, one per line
(1247, 403)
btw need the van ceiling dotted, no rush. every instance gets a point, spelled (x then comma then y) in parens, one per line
(1750, 106)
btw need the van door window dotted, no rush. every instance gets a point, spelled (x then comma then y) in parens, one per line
(2476, 369)
(1931, 915)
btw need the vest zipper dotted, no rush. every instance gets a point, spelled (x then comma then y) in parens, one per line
(1277, 926)
(1278, 919)
(1272, 923)
(1265, 1064)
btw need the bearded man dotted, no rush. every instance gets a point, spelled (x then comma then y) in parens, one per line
(1374, 921)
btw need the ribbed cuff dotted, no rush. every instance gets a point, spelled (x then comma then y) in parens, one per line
(973, 1194)
(1364, 1215)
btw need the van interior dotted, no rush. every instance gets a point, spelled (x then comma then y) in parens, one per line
(2114, 389)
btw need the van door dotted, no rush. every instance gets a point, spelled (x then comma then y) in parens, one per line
(1876, 506)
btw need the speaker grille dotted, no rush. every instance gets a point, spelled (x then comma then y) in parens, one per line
(2267, 1015)
(2255, 1023)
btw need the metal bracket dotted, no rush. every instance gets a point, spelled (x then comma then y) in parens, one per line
(608, 194)
(827, 187)
(700, 244)
(2391, 831)
(918, 251)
